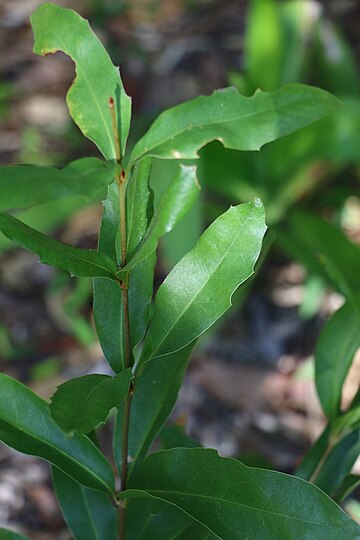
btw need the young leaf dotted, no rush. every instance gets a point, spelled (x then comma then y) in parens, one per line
(235, 502)
(334, 353)
(154, 399)
(199, 289)
(174, 204)
(89, 514)
(139, 210)
(238, 122)
(97, 79)
(26, 185)
(138, 198)
(108, 311)
(26, 425)
(78, 262)
(6, 534)
(83, 403)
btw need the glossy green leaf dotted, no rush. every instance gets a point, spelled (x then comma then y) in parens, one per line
(97, 79)
(199, 289)
(174, 204)
(90, 515)
(76, 261)
(348, 485)
(26, 425)
(238, 122)
(335, 350)
(26, 185)
(152, 403)
(6, 534)
(83, 403)
(235, 502)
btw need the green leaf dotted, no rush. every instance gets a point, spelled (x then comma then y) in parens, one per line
(335, 350)
(138, 195)
(172, 524)
(83, 403)
(174, 436)
(347, 422)
(45, 217)
(307, 237)
(26, 185)
(276, 52)
(238, 122)
(199, 289)
(108, 310)
(313, 456)
(139, 201)
(76, 261)
(339, 463)
(338, 71)
(26, 425)
(264, 50)
(236, 502)
(174, 204)
(348, 485)
(6, 534)
(154, 399)
(96, 78)
(90, 515)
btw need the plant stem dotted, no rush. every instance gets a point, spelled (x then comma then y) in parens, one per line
(125, 298)
(121, 181)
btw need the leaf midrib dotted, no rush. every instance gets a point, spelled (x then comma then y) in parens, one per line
(158, 492)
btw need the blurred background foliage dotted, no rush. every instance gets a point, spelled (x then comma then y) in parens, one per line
(170, 51)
